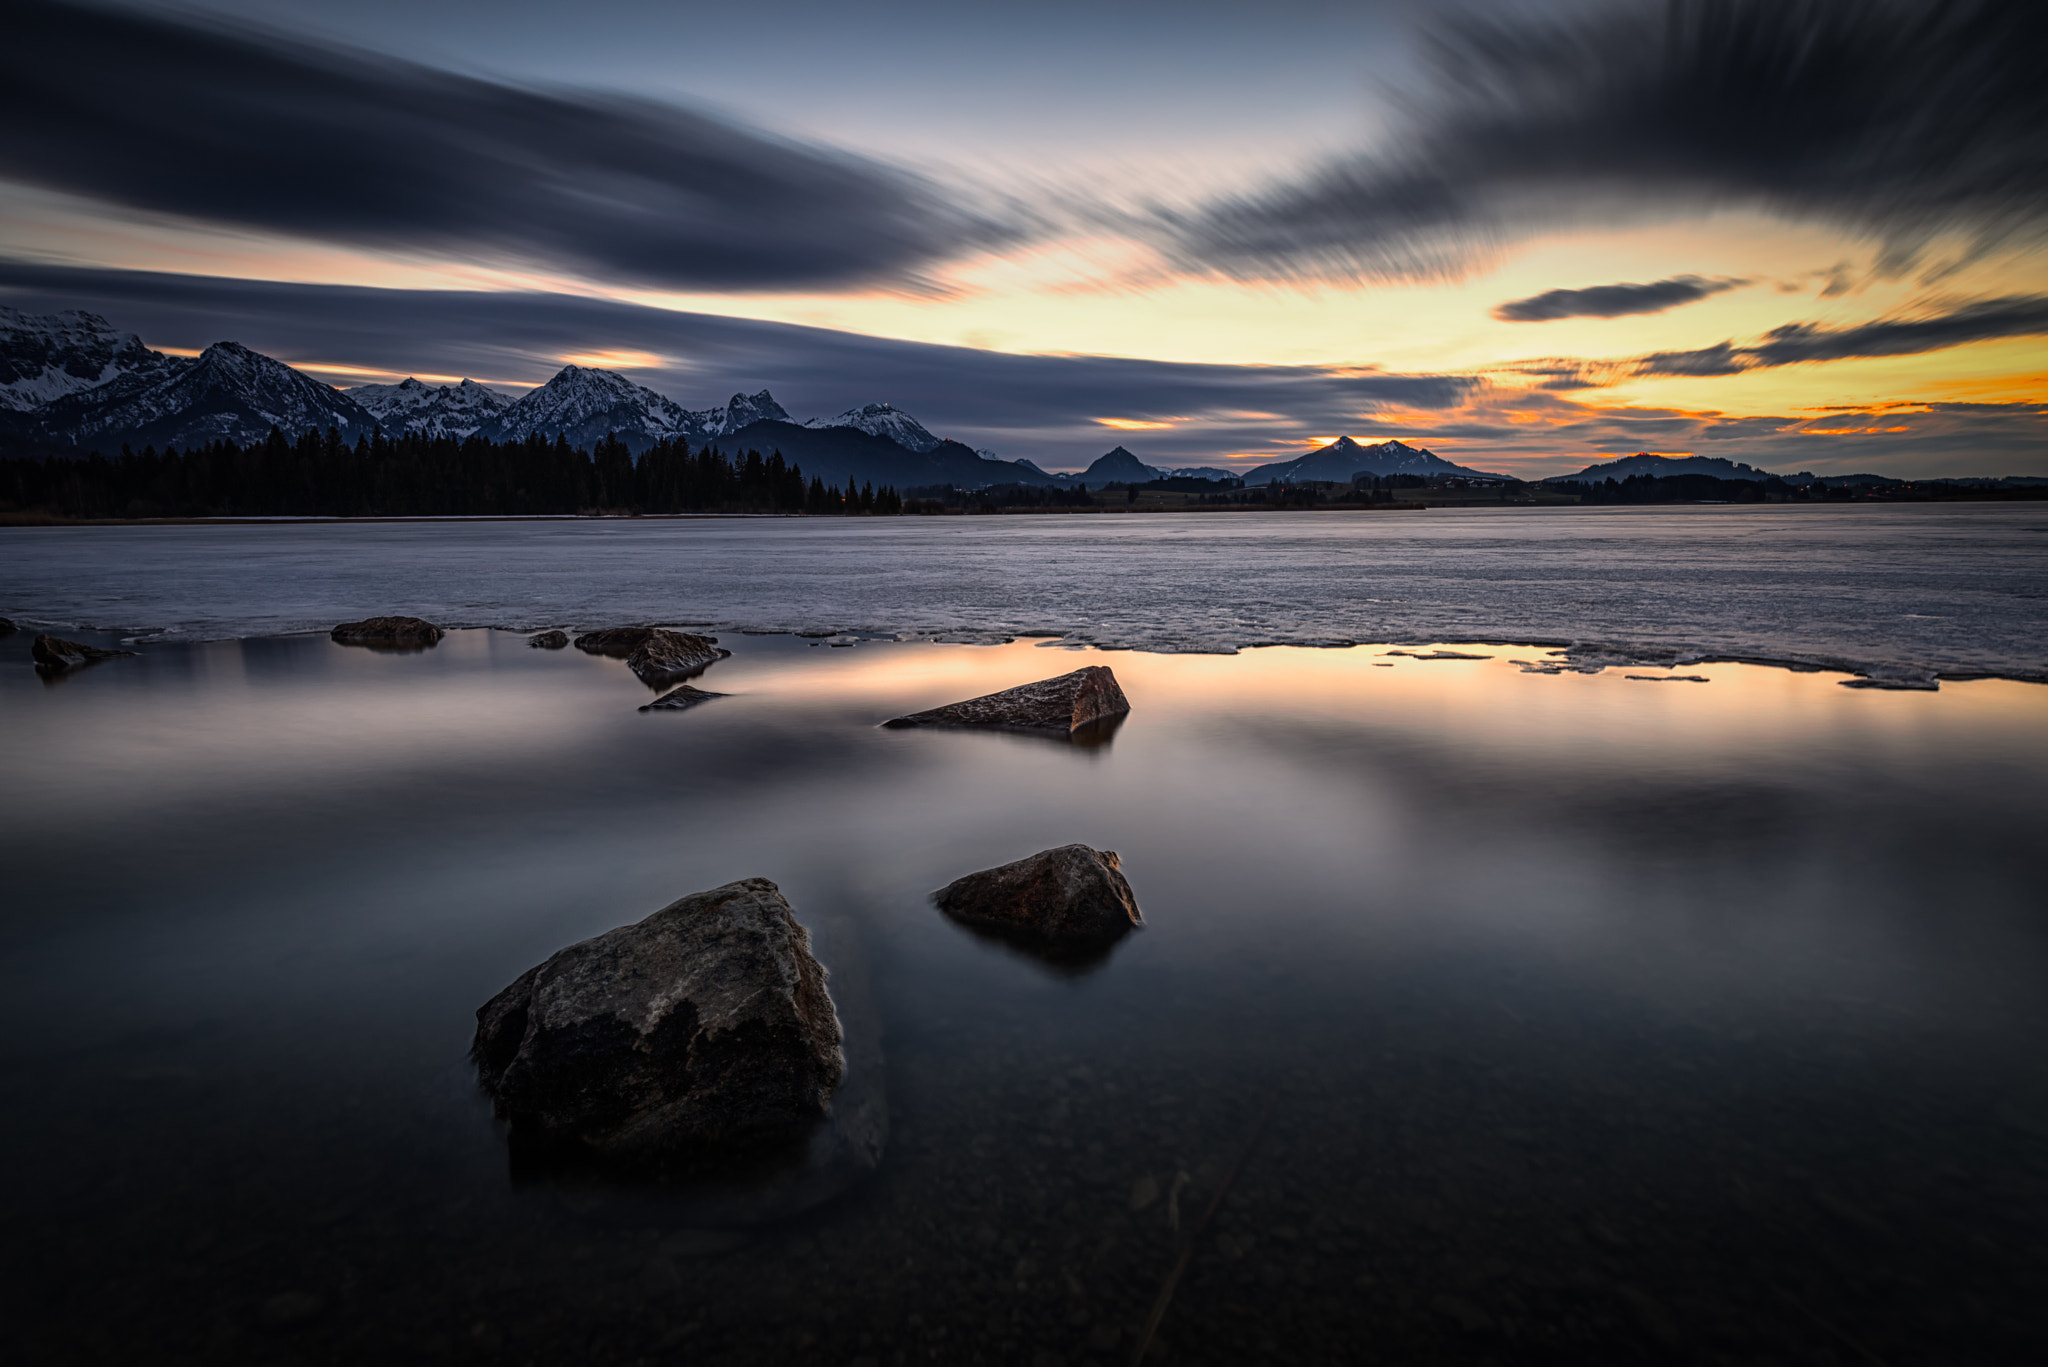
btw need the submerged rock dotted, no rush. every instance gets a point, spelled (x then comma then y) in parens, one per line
(391, 633)
(1070, 893)
(665, 656)
(1063, 705)
(54, 653)
(548, 640)
(706, 1027)
(683, 697)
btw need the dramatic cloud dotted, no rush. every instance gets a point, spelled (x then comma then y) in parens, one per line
(2023, 315)
(1611, 301)
(1899, 120)
(246, 128)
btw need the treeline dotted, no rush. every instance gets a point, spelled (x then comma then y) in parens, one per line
(1682, 489)
(1708, 489)
(323, 475)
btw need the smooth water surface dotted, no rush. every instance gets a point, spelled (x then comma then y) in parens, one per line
(1578, 1018)
(1959, 589)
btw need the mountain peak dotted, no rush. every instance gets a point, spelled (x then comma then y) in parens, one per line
(46, 357)
(884, 420)
(1344, 458)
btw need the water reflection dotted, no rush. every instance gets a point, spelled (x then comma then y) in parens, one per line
(1599, 1022)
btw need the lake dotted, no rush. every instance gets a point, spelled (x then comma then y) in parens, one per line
(1528, 1016)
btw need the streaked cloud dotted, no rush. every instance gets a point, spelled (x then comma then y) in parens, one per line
(1611, 301)
(1899, 121)
(1975, 321)
(243, 127)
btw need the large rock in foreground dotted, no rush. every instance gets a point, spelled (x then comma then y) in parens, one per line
(705, 1027)
(1063, 705)
(1070, 893)
(391, 633)
(54, 653)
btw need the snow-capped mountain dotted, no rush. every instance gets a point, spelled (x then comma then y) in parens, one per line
(49, 356)
(586, 404)
(228, 393)
(432, 410)
(881, 420)
(740, 410)
(1344, 458)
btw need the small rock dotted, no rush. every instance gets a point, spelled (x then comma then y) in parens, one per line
(391, 633)
(6, 627)
(705, 1026)
(676, 701)
(1061, 705)
(54, 654)
(290, 1310)
(1072, 892)
(548, 640)
(664, 656)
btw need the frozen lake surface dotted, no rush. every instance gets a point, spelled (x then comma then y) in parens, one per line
(1908, 589)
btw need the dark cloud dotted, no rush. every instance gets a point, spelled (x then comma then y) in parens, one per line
(243, 127)
(1041, 407)
(1896, 119)
(2024, 315)
(1611, 301)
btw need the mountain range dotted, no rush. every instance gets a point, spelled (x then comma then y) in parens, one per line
(1344, 459)
(1644, 463)
(1121, 467)
(72, 382)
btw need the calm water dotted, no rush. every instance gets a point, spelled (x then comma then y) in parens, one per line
(1960, 589)
(1591, 1019)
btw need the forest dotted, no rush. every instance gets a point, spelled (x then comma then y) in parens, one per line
(323, 475)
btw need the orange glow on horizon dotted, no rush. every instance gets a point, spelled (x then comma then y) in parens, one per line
(616, 360)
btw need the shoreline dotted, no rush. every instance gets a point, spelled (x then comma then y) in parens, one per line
(1569, 656)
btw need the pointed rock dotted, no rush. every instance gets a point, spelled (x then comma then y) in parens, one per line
(681, 698)
(1069, 893)
(54, 653)
(1064, 704)
(705, 1026)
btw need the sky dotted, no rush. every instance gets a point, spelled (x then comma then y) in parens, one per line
(1803, 234)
